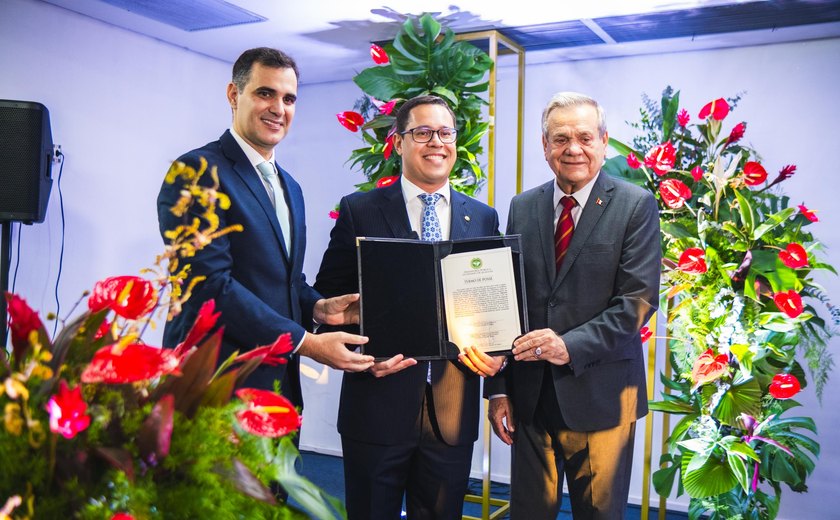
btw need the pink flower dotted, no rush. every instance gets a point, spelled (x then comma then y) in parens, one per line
(683, 118)
(387, 181)
(754, 173)
(810, 214)
(645, 333)
(388, 107)
(737, 133)
(674, 193)
(784, 174)
(129, 296)
(794, 256)
(709, 367)
(718, 109)
(661, 158)
(697, 173)
(118, 364)
(633, 161)
(22, 319)
(333, 214)
(378, 54)
(784, 386)
(350, 120)
(271, 355)
(268, 414)
(789, 302)
(204, 322)
(692, 261)
(68, 411)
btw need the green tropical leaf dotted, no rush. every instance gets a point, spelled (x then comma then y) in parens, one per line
(663, 479)
(713, 478)
(743, 398)
(670, 105)
(772, 222)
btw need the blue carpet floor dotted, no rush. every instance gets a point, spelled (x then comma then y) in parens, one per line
(326, 471)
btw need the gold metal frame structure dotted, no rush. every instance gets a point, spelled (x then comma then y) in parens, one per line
(494, 38)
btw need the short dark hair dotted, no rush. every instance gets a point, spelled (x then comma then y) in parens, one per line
(405, 110)
(265, 56)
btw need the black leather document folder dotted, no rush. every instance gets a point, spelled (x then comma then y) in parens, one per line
(402, 301)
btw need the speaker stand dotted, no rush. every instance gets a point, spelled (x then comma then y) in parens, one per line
(5, 257)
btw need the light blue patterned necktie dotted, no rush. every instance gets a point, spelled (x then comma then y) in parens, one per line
(430, 232)
(430, 226)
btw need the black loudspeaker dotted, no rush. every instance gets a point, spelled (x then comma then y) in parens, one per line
(26, 154)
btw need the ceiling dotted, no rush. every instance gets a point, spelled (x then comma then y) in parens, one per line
(330, 38)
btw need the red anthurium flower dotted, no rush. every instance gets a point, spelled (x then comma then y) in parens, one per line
(674, 193)
(697, 173)
(645, 333)
(633, 161)
(22, 319)
(204, 322)
(709, 367)
(117, 364)
(784, 386)
(103, 329)
(129, 296)
(333, 214)
(737, 133)
(387, 181)
(794, 256)
(810, 214)
(272, 355)
(68, 411)
(122, 516)
(661, 158)
(350, 120)
(380, 57)
(682, 117)
(718, 109)
(754, 173)
(389, 148)
(267, 414)
(789, 302)
(388, 107)
(692, 261)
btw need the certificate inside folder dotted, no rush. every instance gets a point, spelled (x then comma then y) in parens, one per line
(402, 295)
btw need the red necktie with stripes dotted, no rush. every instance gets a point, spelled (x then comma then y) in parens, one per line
(565, 230)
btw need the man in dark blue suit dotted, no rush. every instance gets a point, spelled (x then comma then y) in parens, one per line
(255, 276)
(408, 427)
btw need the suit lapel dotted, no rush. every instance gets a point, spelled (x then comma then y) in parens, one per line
(249, 177)
(545, 225)
(392, 206)
(599, 199)
(459, 220)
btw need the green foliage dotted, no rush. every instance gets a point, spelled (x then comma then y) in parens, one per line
(425, 59)
(156, 433)
(730, 336)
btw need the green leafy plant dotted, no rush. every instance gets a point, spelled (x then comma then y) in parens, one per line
(424, 58)
(738, 273)
(99, 425)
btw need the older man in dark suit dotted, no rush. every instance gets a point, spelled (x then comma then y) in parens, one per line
(255, 276)
(577, 386)
(408, 428)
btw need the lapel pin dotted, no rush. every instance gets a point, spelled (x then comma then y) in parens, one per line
(467, 218)
(599, 202)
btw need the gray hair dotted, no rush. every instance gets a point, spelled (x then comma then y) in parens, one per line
(573, 99)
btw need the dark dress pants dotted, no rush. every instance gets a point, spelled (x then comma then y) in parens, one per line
(432, 475)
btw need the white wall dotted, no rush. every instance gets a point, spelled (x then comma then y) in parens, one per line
(123, 106)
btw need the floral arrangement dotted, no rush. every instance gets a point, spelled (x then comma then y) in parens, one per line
(98, 424)
(738, 273)
(424, 58)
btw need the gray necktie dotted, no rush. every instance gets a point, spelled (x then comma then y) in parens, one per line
(278, 200)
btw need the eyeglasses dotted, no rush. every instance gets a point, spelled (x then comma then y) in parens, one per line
(424, 135)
